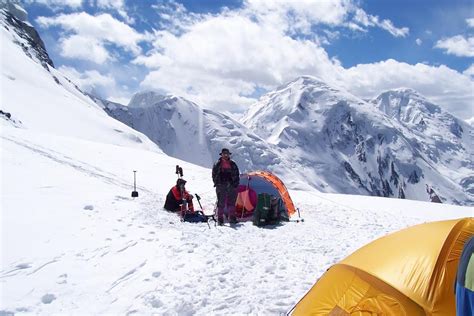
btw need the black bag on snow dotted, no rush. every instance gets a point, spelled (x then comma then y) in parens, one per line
(196, 217)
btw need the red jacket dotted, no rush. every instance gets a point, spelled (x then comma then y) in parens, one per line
(177, 193)
(174, 200)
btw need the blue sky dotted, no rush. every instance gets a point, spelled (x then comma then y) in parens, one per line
(225, 54)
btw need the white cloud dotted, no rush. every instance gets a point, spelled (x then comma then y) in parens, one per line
(301, 13)
(470, 22)
(367, 20)
(75, 4)
(100, 30)
(444, 86)
(174, 17)
(300, 16)
(469, 71)
(89, 79)
(101, 85)
(389, 27)
(418, 41)
(457, 45)
(85, 48)
(117, 5)
(223, 59)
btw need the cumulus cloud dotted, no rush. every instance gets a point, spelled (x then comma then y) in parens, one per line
(85, 31)
(418, 41)
(82, 47)
(469, 71)
(298, 16)
(224, 59)
(442, 85)
(457, 45)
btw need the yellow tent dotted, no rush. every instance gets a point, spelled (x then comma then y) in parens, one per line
(409, 272)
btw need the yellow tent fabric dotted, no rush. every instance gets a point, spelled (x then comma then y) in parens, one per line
(409, 272)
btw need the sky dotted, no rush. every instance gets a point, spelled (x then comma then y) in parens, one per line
(224, 55)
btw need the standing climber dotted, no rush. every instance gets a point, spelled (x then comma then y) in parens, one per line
(225, 175)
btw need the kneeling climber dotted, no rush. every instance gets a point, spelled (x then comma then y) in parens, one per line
(178, 199)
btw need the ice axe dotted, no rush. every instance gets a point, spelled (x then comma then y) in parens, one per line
(134, 192)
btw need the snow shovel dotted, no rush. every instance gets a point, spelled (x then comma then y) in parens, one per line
(134, 192)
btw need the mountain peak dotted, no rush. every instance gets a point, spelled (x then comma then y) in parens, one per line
(146, 98)
(305, 81)
(403, 92)
(405, 104)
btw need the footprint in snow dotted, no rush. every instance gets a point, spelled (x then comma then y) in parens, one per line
(23, 266)
(156, 274)
(156, 303)
(48, 298)
(62, 279)
(89, 207)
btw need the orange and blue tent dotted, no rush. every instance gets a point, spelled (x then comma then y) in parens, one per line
(256, 182)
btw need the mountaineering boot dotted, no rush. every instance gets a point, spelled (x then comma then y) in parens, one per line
(220, 221)
(233, 220)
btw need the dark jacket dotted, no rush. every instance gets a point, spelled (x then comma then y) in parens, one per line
(174, 199)
(219, 178)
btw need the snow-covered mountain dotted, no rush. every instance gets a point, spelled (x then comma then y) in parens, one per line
(184, 130)
(307, 132)
(440, 138)
(398, 145)
(58, 106)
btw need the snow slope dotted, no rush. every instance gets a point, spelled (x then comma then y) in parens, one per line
(75, 242)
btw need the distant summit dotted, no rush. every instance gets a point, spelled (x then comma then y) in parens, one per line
(146, 99)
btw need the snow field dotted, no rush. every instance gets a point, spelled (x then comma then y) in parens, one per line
(75, 242)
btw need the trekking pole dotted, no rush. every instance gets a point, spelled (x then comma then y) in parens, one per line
(134, 192)
(198, 198)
